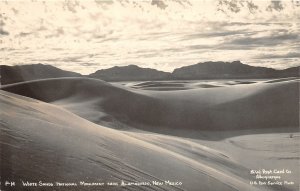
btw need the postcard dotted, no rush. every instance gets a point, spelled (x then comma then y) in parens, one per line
(194, 95)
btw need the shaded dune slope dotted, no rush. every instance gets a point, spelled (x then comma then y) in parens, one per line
(56, 145)
(44, 142)
(259, 105)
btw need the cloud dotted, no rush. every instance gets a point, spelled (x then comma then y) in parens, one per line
(236, 6)
(15, 11)
(23, 34)
(104, 2)
(3, 32)
(89, 64)
(212, 34)
(273, 56)
(251, 6)
(272, 40)
(200, 46)
(231, 5)
(2, 23)
(275, 5)
(158, 33)
(71, 5)
(159, 3)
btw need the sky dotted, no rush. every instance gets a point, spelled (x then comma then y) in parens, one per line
(85, 36)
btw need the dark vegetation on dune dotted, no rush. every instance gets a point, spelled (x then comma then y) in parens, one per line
(271, 107)
(200, 71)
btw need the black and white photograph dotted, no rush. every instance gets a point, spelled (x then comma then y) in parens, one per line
(149, 95)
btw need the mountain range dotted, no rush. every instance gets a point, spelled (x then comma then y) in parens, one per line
(230, 70)
(19, 73)
(131, 72)
(205, 70)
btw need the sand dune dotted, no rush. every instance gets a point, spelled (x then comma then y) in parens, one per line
(221, 133)
(40, 141)
(244, 106)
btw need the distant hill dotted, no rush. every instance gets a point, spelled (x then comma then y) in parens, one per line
(223, 70)
(19, 73)
(205, 70)
(129, 73)
(290, 72)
